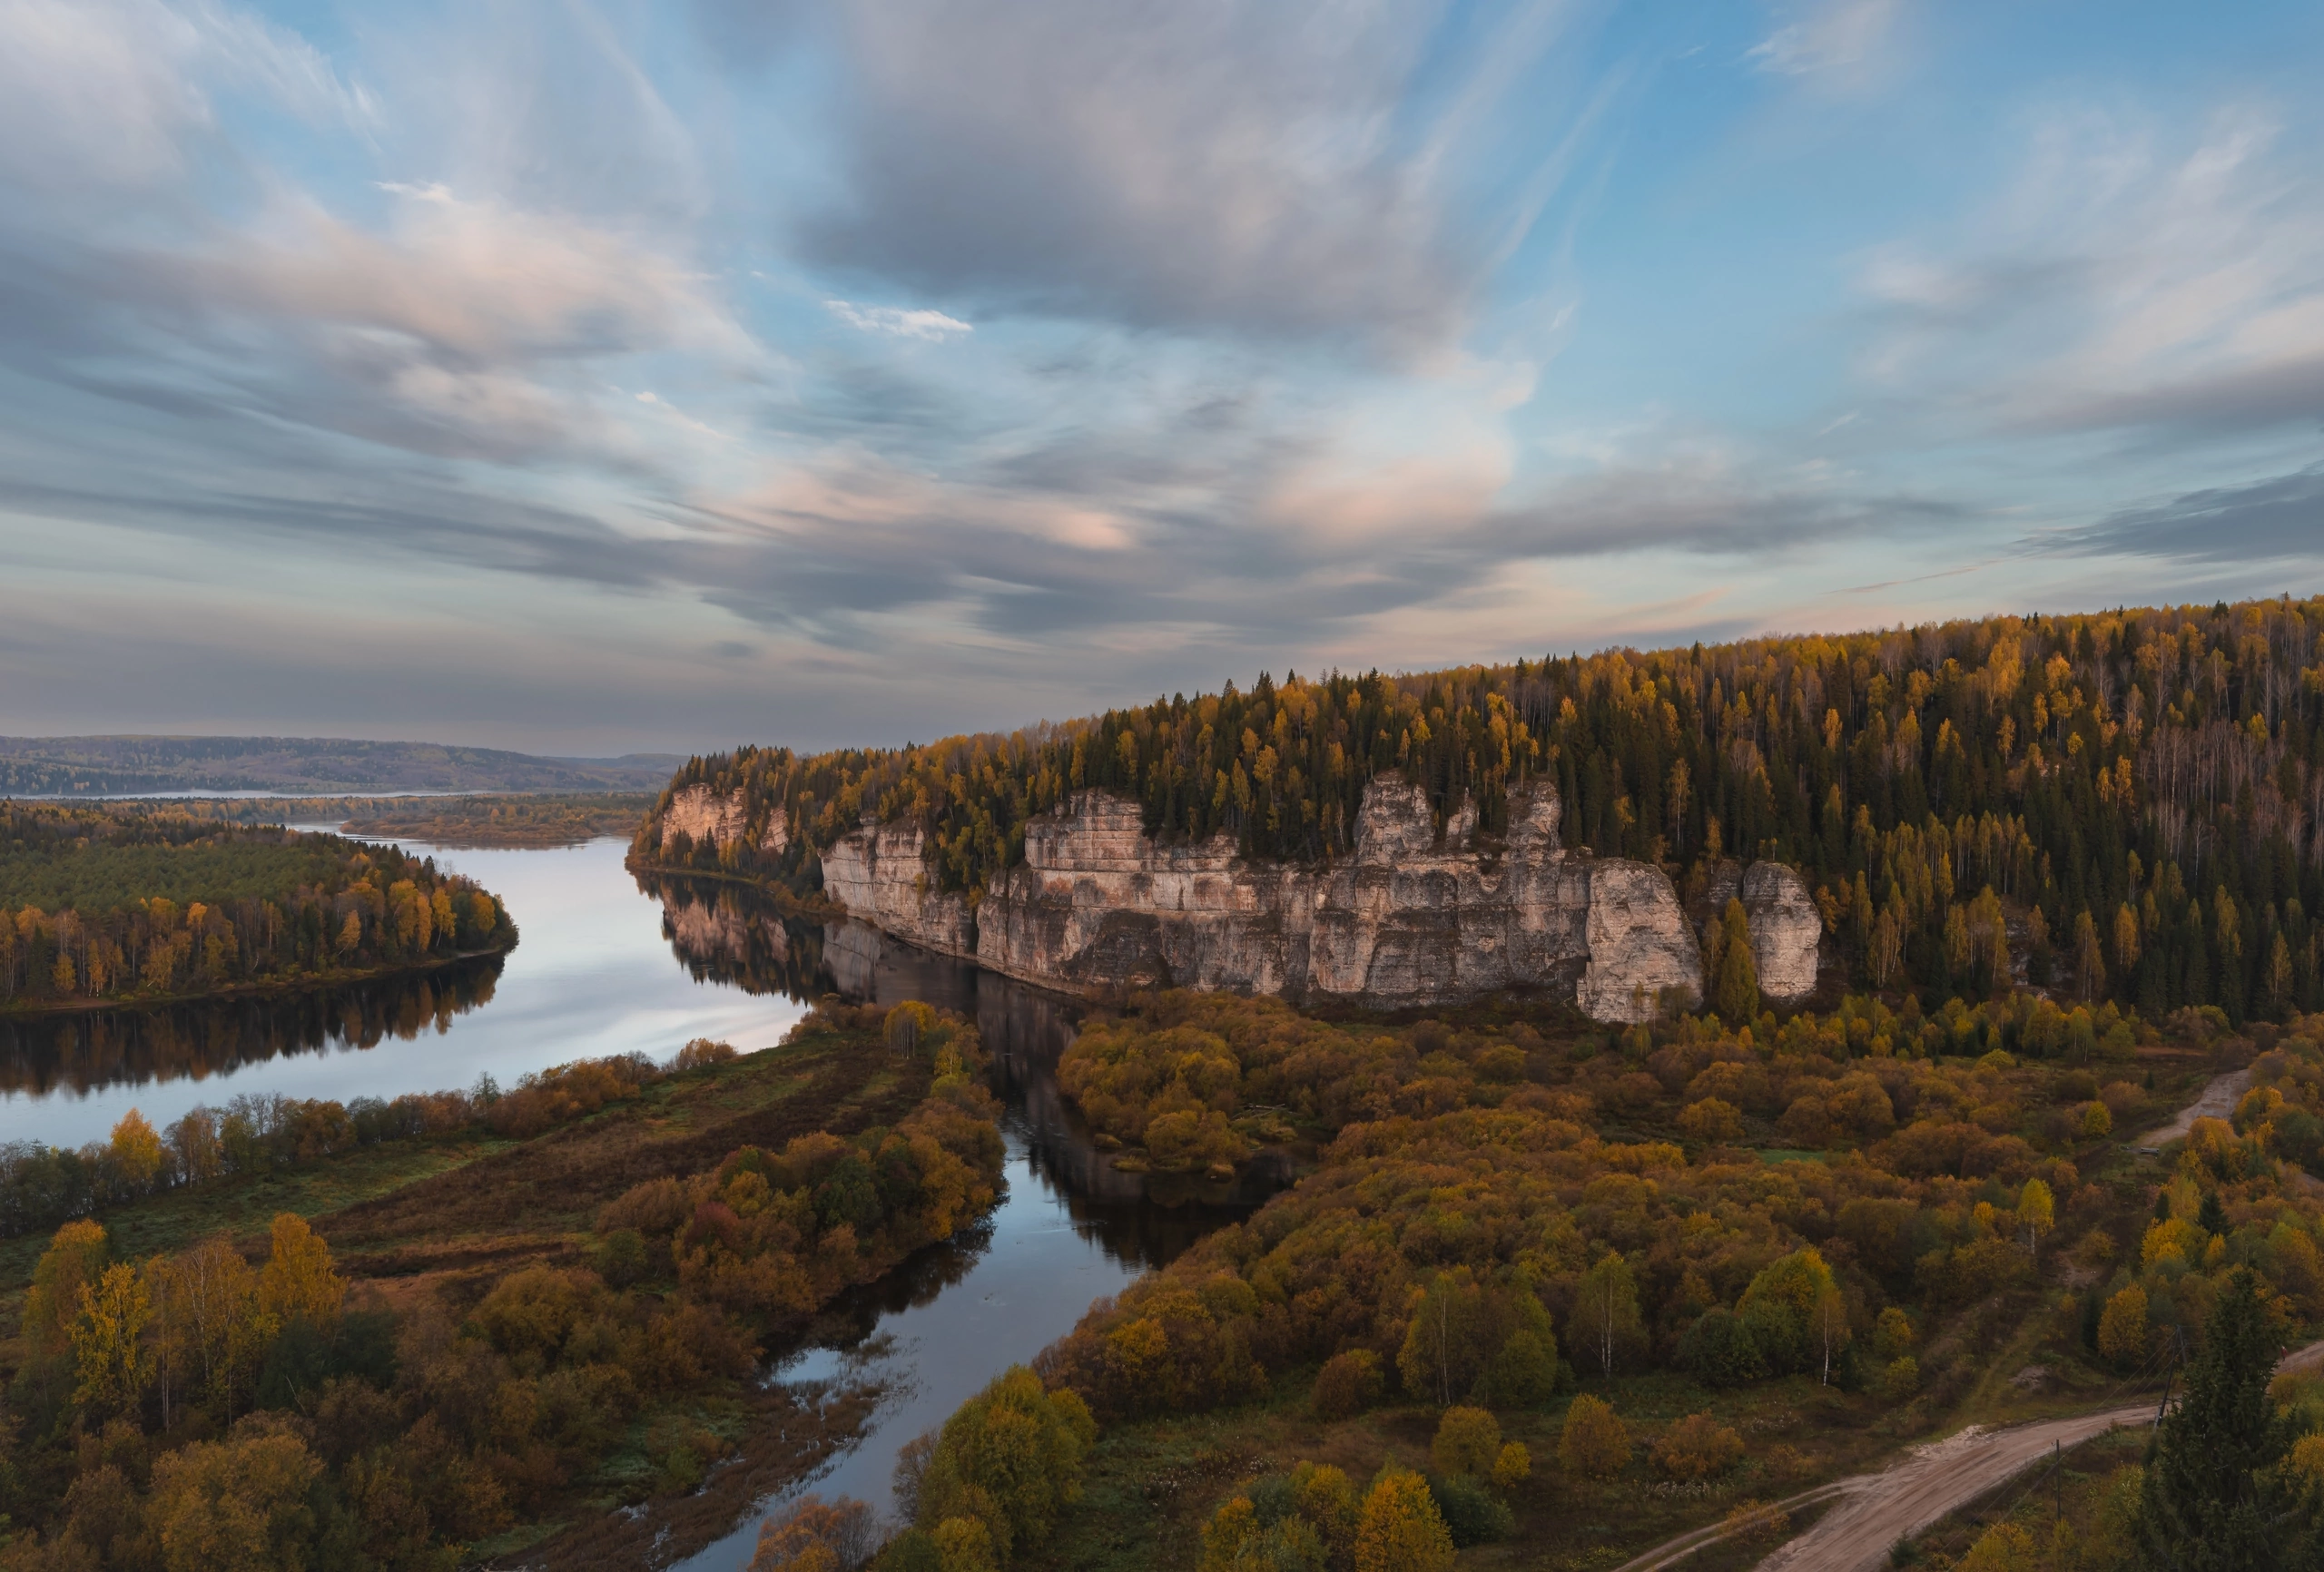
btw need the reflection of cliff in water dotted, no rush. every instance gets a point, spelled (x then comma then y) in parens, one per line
(106, 1047)
(724, 932)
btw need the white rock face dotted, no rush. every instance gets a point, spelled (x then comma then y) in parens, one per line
(718, 819)
(1786, 928)
(1641, 950)
(1406, 921)
(878, 875)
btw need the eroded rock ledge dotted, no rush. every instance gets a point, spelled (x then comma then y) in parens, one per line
(1406, 921)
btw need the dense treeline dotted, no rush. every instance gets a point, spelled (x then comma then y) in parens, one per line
(102, 906)
(1477, 1228)
(196, 1410)
(2125, 805)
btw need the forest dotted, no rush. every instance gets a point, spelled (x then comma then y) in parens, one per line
(1566, 1291)
(97, 906)
(2123, 806)
(200, 1383)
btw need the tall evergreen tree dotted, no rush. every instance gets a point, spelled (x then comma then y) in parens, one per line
(2212, 1502)
(1736, 990)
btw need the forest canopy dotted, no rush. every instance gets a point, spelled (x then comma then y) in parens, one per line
(100, 906)
(2124, 805)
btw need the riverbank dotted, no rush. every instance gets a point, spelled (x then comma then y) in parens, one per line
(262, 989)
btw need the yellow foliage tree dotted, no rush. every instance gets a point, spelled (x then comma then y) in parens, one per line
(298, 1282)
(216, 1331)
(2171, 1236)
(1468, 1440)
(109, 1349)
(1399, 1529)
(2121, 1327)
(2036, 1213)
(237, 1505)
(2004, 1548)
(136, 1150)
(1513, 1467)
(1594, 1444)
(964, 1545)
(1223, 1536)
(1697, 1448)
(75, 1259)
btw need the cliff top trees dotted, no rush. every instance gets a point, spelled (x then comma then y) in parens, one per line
(2080, 769)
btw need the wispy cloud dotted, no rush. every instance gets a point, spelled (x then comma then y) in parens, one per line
(1836, 35)
(898, 323)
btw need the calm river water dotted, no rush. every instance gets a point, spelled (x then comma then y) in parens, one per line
(606, 966)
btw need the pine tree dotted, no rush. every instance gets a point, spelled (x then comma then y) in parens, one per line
(2210, 1501)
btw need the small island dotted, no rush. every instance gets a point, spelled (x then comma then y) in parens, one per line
(99, 908)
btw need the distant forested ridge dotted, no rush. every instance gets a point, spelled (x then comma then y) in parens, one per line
(462, 820)
(2120, 805)
(67, 766)
(100, 906)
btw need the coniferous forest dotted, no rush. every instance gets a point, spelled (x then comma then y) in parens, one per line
(97, 906)
(2122, 806)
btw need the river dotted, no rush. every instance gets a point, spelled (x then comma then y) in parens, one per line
(609, 965)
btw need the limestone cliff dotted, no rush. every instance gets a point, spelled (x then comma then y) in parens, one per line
(1408, 919)
(718, 820)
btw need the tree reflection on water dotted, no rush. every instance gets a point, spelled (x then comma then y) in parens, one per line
(96, 1048)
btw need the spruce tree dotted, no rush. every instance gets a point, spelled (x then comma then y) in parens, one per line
(2212, 1502)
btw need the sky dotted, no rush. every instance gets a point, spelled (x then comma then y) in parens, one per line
(589, 376)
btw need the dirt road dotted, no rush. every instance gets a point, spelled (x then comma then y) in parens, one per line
(1876, 1510)
(2216, 1102)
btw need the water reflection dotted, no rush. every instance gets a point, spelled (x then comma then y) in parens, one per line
(90, 1049)
(723, 933)
(728, 933)
(592, 976)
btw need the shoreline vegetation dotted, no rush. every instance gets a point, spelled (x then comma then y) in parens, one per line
(463, 1327)
(100, 909)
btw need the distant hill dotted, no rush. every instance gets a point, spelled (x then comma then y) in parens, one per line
(61, 766)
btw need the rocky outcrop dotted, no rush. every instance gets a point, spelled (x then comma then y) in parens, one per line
(1786, 929)
(1409, 918)
(1641, 950)
(877, 874)
(705, 816)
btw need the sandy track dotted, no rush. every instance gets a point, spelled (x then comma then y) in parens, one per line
(2216, 1102)
(1876, 1510)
